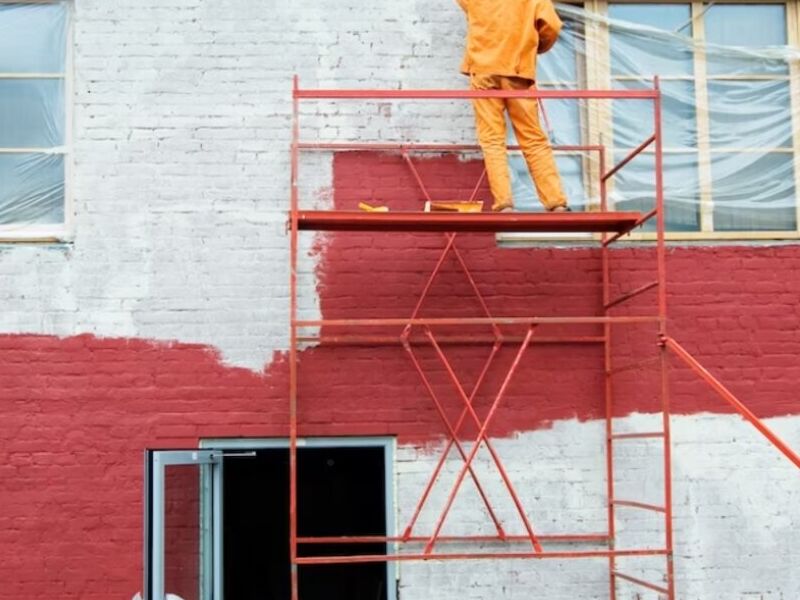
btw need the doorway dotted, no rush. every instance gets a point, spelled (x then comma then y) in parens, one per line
(217, 519)
(344, 489)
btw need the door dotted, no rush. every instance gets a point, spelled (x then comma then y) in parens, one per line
(183, 539)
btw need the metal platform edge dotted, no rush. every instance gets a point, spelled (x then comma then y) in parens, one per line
(407, 221)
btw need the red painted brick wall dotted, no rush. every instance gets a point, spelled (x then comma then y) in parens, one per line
(78, 412)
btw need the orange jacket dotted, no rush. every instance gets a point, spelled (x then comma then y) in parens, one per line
(504, 36)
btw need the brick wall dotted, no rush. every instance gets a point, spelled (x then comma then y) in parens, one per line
(165, 321)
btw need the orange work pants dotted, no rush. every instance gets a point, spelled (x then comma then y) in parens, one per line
(490, 122)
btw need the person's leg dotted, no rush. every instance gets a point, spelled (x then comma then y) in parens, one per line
(490, 123)
(535, 146)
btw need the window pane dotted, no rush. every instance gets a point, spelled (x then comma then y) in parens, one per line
(750, 114)
(753, 192)
(31, 189)
(633, 119)
(33, 38)
(182, 531)
(745, 26)
(571, 169)
(640, 52)
(634, 189)
(31, 113)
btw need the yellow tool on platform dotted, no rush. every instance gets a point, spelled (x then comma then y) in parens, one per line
(462, 206)
(369, 208)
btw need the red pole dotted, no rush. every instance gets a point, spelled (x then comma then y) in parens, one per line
(451, 238)
(732, 400)
(474, 451)
(435, 475)
(451, 243)
(489, 446)
(450, 442)
(454, 438)
(383, 558)
(414, 172)
(633, 154)
(293, 344)
(609, 400)
(477, 186)
(661, 255)
(473, 94)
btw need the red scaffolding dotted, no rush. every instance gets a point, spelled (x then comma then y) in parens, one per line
(611, 225)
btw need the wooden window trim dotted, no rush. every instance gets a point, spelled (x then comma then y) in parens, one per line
(600, 125)
(61, 232)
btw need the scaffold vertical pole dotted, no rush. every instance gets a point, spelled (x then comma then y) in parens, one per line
(293, 344)
(662, 313)
(609, 402)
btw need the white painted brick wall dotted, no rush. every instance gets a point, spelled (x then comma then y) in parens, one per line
(735, 503)
(181, 180)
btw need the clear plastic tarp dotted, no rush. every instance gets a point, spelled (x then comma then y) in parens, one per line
(730, 111)
(731, 115)
(32, 113)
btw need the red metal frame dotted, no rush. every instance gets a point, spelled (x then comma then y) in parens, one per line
(613, 225)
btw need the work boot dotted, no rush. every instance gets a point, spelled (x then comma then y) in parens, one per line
(560, 209)
(503, 207)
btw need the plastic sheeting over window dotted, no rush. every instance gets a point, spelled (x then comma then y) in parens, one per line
(731, 115)
(32, 114)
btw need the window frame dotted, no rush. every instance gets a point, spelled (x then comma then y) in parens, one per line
(600, 122)
(58, 232)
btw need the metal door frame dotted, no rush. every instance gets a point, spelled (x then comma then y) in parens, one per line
(210, 468)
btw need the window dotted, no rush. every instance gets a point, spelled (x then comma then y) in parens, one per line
(731, 112)
(743, 148)
(635, 59)
(33, 123)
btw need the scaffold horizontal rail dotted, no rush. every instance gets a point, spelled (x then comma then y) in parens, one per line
(322, 94)
(583, 538)
(437, 148)
(464, 340)
(474, 321)
(521, 222)
(382, 558)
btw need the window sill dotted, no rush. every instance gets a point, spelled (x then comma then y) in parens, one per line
(38, 234)
(722, 237)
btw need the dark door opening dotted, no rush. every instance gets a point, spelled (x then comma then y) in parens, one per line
(341, 492)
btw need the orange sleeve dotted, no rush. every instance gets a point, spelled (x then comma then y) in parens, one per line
(463, 4)
(548, 24)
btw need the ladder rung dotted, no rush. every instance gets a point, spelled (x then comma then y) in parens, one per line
(650, 586)
(631, 294)
(637, 436)
(641, 505)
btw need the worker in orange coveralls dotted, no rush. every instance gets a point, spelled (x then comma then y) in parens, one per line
(503, 40)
